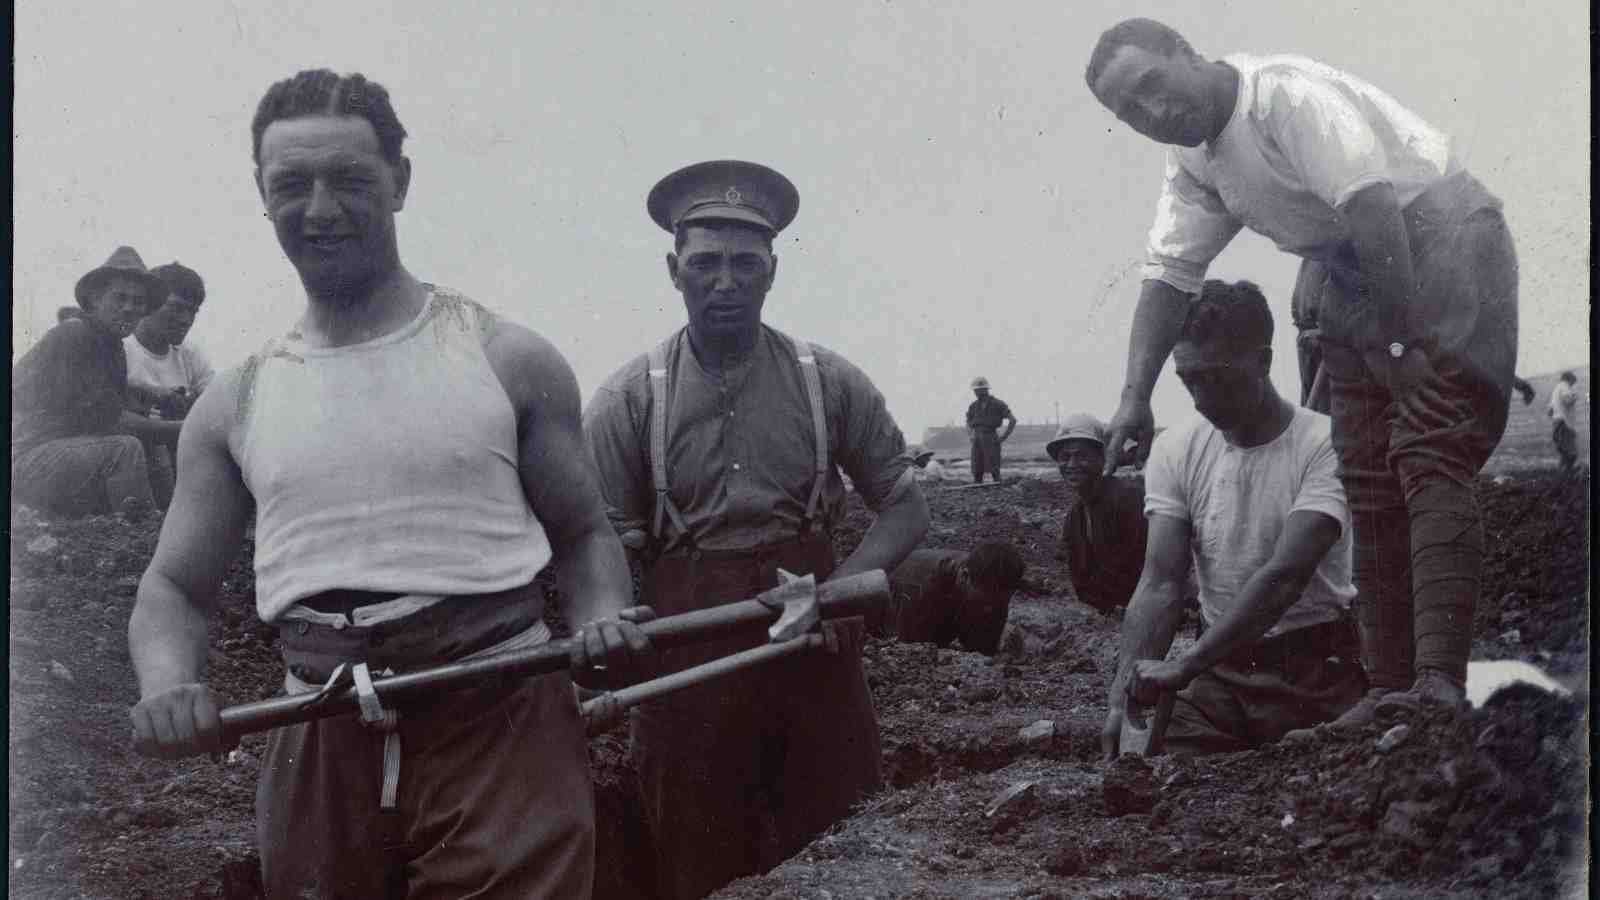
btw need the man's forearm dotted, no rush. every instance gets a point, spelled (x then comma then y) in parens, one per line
(1154, 615)
(592, 574)
(1266, 597)
(1157, 322)
(894, 534)
(162, 431)
(167, 636)
(1383, 253)
(1011, 425)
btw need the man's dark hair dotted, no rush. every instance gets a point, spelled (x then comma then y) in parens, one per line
(181, 280)
(321, 92)
(1234, 314)
(681, 234)
(1569, 378)
(1146, 34)
(996, 564)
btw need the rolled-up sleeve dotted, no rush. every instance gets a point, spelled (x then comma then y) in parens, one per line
(1191, 227)
(612, 430)
(1320, 488)
(1323, 135)
(870, 449)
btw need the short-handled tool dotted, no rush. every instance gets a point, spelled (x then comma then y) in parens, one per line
(1141, 737)
(793, 605)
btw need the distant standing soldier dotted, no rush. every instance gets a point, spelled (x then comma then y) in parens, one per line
(983, 424)
(1563, 403)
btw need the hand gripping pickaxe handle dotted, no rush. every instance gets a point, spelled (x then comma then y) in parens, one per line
(1142, 738)
(849, 596)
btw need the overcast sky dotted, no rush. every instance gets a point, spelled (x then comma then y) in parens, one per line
(966, 206)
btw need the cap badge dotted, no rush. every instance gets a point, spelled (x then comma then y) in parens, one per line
(733, 196)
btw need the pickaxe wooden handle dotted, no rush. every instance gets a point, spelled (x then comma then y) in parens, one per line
(612, 703)
(851, 596)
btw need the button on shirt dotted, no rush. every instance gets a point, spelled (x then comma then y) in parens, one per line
(1303, 138)
(740, 453)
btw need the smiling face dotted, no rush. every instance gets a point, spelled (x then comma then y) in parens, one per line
(118, 304)
(723, 273)
(332, 197)
(1080, 462)
(1228, 383)
(1164, 98)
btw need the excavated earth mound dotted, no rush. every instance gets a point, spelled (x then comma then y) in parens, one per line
(995, 784)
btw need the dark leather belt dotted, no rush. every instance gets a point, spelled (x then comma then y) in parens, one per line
(1338, 638)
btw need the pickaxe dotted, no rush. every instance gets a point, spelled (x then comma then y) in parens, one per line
(790, 609)
(1145, 738)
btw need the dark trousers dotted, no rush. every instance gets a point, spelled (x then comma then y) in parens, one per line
(1566, 441)
(1418, 537)
(1290, 681)
(739, 774)
(985, 453)
(494, 793)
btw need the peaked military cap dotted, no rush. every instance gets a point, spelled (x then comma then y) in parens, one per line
(726, 189)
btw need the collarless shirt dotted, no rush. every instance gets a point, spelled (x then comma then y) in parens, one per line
(183, 365)
(1303, 138)
(740, 457)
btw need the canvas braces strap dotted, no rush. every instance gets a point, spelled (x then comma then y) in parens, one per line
(665, 508)
(373, 716)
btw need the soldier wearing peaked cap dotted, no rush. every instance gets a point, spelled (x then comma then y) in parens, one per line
(719, 454)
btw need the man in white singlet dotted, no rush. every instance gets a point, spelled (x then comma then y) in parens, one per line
(413, 461)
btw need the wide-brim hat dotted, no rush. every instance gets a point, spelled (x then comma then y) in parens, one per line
(124, 261)
(1077, 427)
(917, 452)
(726, 190)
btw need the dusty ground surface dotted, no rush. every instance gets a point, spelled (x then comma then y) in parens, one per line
(1490, 807)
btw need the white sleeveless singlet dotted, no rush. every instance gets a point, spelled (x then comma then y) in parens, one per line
(389, 465)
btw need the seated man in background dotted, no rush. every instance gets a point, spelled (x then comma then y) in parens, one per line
(73, 445)
(165, 374)
(1251, 488)
(939, 596)
(1103, 532)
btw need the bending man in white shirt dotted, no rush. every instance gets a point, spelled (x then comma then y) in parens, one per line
(1251, 487)
(1410, 283)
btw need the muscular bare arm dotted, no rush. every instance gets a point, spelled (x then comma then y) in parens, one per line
(177, 714)
(897, 531)
(1153, 617)
(560, 483)
(1157, 321)
(1306, 539)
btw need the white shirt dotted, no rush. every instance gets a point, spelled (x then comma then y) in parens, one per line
(1302, 139)
(1563, 400)
(183, 365)
(933, 471)
(1236, 501)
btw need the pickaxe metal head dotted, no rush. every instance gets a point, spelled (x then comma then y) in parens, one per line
(797, 598)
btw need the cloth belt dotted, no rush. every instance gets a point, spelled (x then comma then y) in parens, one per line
(373, 714)
(1314, 641)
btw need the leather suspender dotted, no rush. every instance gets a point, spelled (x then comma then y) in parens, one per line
(659, 393)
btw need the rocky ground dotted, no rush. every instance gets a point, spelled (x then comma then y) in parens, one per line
(996, 789)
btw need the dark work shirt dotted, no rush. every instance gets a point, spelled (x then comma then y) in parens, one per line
(740, 457)
(1103, 540)
(71, 383)
(988, 413)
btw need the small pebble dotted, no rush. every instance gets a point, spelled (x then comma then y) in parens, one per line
(1393, 738)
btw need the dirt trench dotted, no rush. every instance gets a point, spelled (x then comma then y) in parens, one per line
(1489, 806)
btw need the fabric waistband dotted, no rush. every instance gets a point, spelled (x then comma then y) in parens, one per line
(757, 552)
(1335, 638)
(533, 637)
(984, 427)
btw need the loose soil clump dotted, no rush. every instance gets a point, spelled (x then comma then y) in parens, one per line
(995, 787)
